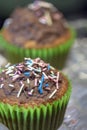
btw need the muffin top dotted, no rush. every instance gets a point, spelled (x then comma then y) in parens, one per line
(31, 83)
(39, 23)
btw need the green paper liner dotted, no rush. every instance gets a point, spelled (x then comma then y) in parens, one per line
(0, 70)
(55, 56)
(44, 117)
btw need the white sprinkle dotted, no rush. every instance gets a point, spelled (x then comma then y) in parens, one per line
(57, 80)
(45, 4)
(30, 68)
(32, 91)
(37, 70)
(11, 74)
(10, 67)
(33, 7)
(9, 71)
(28, 81)
(29, 63)
(39, 81)
(52, 72)
(53, 76)
(6, 66)
(53, 93)
(20, 91)
(52, 68)
(1, 86)
(11, 85)
(27, 58)
(45, 75)
(35, 74)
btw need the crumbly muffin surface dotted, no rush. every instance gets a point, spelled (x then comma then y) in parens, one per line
(39, 23)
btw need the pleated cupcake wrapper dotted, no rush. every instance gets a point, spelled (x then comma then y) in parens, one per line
(55, 55)
(44, 117)
(0, 70)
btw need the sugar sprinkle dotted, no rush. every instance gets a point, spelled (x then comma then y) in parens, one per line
(11, 85)
(20, 91)
(1, 86)
(36, 70)
(53, 93)
(57, 86)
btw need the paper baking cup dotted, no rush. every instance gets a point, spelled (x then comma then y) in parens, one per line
(44, 117)
(56, 56)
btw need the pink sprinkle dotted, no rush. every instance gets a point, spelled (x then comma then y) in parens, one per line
(15, 77)
(43, 65)
(57, 16)
(2, 79)
(42, 20)
(21, 82)
(44, 69)
(20, 69)
(57, 80)
(20, 66)
(31, 92)
(18, 72)
(37, 59)
(35, 82)
(52, 78)
(15, 72)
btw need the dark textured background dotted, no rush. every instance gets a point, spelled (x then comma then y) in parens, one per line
(71, 8)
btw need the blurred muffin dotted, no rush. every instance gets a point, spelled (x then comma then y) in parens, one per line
(38, 30)
(33, 96)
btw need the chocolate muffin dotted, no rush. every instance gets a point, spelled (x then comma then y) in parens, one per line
(39, 30)
(33, 95)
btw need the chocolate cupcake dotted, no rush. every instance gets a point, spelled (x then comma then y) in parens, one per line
(33, 96)
(38, 30)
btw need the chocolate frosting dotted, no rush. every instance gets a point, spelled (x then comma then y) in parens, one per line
(40, 22)
(31, 82)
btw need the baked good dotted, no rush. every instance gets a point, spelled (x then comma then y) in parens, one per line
(33, 95)
(39, 30)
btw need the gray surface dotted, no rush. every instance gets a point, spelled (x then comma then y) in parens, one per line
(76, 69)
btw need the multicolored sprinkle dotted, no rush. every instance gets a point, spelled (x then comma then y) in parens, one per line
(31, 76)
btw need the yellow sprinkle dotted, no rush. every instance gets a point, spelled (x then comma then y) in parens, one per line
(48, 18)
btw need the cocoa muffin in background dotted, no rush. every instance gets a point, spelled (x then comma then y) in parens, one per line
(33, 96)
(39, 30)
